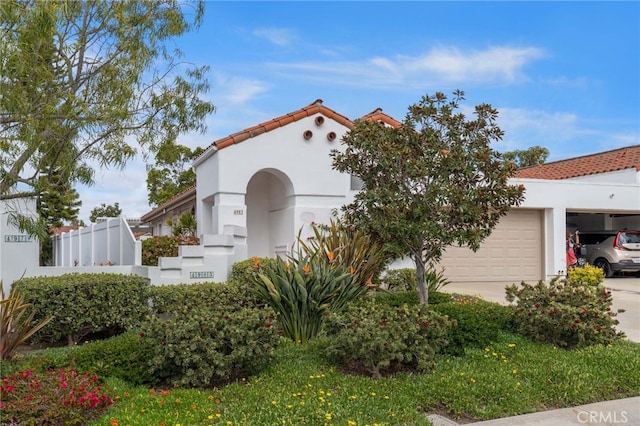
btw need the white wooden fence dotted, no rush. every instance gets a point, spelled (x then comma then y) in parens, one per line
(108, 242)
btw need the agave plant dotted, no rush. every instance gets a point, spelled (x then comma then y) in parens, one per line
(303, 291)
(16, 323)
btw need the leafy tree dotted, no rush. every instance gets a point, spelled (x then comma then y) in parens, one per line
(92, 84)
(527, 157)
(429, 183)
(105, 211)
(171, 174)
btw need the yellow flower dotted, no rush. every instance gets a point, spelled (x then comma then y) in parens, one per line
(512, 345)
(515, 371)
(327, 416)
(210, 417)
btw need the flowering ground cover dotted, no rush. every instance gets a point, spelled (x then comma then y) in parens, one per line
(511, 376)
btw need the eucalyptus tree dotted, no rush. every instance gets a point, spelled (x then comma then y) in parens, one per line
(90, 84)
(432, 182)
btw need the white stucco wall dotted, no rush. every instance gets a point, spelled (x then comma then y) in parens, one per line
(18, 250)
(303, 166)
(616, 193)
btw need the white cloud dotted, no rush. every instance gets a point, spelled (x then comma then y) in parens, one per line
(439, 66)
(277, 36)
(237, 90)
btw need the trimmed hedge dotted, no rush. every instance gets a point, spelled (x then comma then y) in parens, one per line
(85, 304)
(382, 339)
(206, 347)
(478, 323)
(167, 299)
(164, 246)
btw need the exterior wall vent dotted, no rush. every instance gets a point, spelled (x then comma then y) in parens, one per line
(308, 134)
(331, 136)
(319, 120)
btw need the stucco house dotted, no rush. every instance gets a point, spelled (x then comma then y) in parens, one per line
(256, 189)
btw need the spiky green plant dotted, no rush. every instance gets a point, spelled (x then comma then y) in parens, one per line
(341, 244)
(16, 323)
(303, 291)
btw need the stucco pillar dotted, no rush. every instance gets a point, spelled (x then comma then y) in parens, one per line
(555, 226)
(228, 209)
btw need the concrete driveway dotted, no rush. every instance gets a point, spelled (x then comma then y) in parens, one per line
(624, 290)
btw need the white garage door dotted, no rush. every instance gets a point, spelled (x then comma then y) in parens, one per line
(513, 252)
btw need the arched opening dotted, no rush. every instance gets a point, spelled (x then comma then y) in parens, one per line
(270, 214)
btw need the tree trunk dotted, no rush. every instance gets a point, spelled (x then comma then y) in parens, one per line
(423, 292)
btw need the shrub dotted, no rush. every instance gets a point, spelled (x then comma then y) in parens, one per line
(478, 323)
(246, 271)
(17, 323)
(404, 279)
(84, 304)
(302, 291)
(164, 246)
(125, 356)
(377, 338)
(173, 298)
(51, 398)
(588, 274)
(208, 347)
(397, 298)
(565, 313)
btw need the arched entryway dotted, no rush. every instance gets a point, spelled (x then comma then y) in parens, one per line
(270, 213)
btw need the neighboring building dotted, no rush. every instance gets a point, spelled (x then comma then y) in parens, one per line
(256, 189)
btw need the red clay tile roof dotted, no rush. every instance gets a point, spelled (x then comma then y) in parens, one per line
(281, 121)
(602, 162)
(378, 115)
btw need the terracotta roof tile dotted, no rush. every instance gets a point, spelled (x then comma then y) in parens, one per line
(378, 115)
(315, 108)
(602, 162)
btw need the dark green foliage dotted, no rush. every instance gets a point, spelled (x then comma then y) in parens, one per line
(105, 210)
(124, 356)
(565, 313)
(85, 304)
(303, 290)
(397, 298)
(450, 186)
(164, 246)
(478, 323)
(173, 298)
(209, 347)
(245, 271)
(380, 339)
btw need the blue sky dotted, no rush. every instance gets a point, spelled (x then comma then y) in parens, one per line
(563, 75)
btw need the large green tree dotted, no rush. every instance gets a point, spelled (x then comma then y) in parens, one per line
(531, 156)
(93, 83)
(430, 183)
(105, 210)
(171, 174)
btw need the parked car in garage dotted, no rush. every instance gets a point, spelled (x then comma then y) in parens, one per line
(613, 251)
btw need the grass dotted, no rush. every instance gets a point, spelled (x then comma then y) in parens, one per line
(512, 376)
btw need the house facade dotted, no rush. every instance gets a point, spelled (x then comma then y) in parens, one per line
(258, 188)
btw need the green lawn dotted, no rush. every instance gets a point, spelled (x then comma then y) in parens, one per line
(511, 376)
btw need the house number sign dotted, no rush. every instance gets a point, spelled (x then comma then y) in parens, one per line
(238, 212)
(17, 239)
(200, 274)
